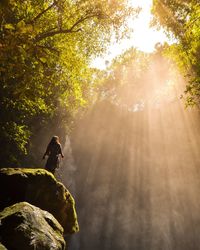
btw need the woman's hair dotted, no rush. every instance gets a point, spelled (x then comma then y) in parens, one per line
(54, 140)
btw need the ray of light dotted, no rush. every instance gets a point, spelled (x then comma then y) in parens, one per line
(144, 37)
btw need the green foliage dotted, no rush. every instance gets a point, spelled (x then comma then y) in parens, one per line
(138, 81)
(45, 52)
(129, 65)
(181, 19)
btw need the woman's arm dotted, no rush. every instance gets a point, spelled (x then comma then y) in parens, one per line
(46, 153)
(61, 152)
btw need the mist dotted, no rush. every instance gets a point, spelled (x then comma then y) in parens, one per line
(132, 164)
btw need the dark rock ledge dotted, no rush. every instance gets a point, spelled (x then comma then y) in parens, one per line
(30, 196)
(24, 226)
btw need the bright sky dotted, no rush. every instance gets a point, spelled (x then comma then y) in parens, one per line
(144, 38)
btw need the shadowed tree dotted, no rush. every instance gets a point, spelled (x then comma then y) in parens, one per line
(45, 52)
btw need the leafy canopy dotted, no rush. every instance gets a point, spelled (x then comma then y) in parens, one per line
(181, 19)
(45, 53)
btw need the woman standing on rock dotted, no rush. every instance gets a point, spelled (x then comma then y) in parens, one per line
(53, 152)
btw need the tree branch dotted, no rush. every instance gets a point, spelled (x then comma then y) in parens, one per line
(43, 12)
(53, 33)
(82, 19)
(48, 48)
(65, 31)
(192, 22)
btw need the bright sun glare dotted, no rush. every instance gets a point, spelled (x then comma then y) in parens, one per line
(143, 38)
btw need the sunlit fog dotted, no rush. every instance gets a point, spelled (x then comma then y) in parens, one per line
(134, 165)
(144, 37)
(100, 125)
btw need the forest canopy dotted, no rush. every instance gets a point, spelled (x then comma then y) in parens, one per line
(45, 52)
(46, 49)
(181, 21)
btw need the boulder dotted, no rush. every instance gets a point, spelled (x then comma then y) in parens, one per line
(2, 247)
(26, 227)
(40, 188)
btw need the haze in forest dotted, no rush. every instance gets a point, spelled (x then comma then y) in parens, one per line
(144, 37)
(134, 159)
(130, 132)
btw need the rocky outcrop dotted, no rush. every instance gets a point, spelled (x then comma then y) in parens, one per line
(2, 247)
(24, 226)
(39, 188)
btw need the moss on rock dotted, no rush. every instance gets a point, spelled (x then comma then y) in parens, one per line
(26, 227)
(2, 247)
(40, 188)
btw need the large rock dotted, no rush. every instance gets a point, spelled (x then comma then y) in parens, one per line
(40, 188)
(26, 227)
(2, 247)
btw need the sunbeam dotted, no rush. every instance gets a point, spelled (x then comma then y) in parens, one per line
(137, 178)
(100, 124)
(143, 37)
